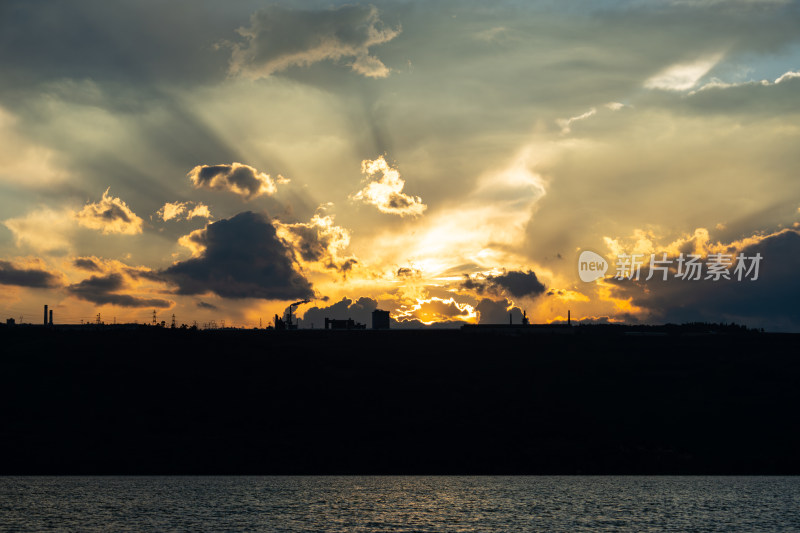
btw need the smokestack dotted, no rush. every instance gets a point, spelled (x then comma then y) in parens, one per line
(45, 314)
(569, 318)
(51, 317)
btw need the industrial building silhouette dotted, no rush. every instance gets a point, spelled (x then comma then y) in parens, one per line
(380, 319)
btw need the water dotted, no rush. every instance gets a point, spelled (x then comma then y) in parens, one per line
(423, 503)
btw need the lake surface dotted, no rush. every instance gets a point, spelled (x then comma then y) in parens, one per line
(408, 503)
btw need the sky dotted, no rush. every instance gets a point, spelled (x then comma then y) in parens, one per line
(447, 161)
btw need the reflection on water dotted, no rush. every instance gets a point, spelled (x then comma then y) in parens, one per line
(423, 503)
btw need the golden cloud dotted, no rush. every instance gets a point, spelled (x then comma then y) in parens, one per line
(384, 190)
(109, 215)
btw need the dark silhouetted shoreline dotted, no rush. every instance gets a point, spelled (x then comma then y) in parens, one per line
(602, 400)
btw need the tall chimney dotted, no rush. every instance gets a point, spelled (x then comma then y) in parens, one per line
(51, 317)
(568, 318)
(45, 314)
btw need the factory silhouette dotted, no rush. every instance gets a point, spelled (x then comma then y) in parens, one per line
(382, 321)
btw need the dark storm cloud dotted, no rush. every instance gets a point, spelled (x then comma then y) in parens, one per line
(104, 290)
(320, 241)
(144, 274)
(86, 263)
(767, 302)
(27, 277)
(497, 312)
(243, 258)
(125, 41)
(308, 243)
(477, 284)
(279, 38)
(407, 272)
(237, 178)
(513, 283)
(205, 305)
(518, 284)
(360, 311)
(347, 265)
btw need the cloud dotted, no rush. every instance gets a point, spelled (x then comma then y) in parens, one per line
(279, 38)
(764, 97)
(318, 241)
(436, 309)
(183, 211)
(241, 257)
(360, 311)
(385, 192)
(566, 295)
(518, 283)
(514, 283)
(788, 76)
(719, 84)
(113, 266)
(27, 277)
(139, 273)
(408, 273)
(110, 215)
(760, 303)
(682, 76)
(237, 178)
(21, 157)
(91, 40)
(497, 312)
(104, 290)
(194, 241)
(427, 312)
(87, 263)
(566, 123)
(44, 230)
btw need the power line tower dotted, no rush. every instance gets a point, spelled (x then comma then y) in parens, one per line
(155, 318)
(97, 320)
(173, 321)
